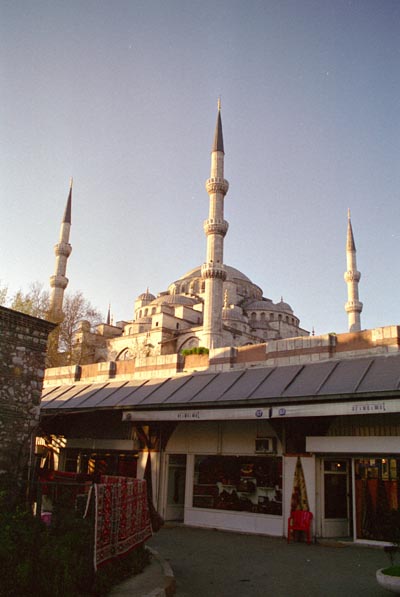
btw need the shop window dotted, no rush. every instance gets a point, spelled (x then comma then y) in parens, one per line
(111, 462)
(238, 483)
(377, 497)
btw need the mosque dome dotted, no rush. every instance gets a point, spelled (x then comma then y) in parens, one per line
(282, 306)
(146, 296)
(192, 283)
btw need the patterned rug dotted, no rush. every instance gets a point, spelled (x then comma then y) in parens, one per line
(122, 520)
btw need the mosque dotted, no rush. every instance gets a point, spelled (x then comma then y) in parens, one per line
(260, 420)
(211, 306)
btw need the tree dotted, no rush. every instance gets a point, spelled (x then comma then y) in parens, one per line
(35, 302)
(3, 294)
(76, 308)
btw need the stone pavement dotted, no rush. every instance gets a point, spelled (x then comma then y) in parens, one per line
(211, 563)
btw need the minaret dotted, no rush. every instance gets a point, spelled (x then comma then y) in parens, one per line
(62, 250)
(352, 277)
(215, 228)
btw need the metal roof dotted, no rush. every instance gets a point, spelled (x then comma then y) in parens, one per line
(323, 381)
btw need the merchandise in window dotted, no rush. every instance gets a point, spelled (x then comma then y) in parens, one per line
(377, 498)
(239, 483)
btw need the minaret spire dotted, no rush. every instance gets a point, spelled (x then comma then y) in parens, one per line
(62, 250)
(215, 228)
(352, 277)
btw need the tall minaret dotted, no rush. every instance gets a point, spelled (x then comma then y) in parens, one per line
(215, 228)
(62, 249)
(352, 277)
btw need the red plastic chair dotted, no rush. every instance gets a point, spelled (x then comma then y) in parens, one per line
(300, 520)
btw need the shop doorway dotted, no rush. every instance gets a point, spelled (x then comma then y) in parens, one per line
(336, 498)
(176, 480)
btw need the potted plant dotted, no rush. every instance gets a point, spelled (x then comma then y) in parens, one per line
(389, 578)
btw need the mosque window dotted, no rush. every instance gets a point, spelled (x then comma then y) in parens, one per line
(153, 310)
(145, 312)
(287, 319)
(280, 317)
(177, 326)
(156, 324)
(262, 317)
(271, 316)
(253, 316)
(140, 313)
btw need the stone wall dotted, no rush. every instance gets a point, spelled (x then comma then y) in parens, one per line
(23, 345)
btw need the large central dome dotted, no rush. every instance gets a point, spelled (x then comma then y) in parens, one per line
(237, 285)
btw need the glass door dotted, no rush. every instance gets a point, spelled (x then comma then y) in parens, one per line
(176, 481)
(336, 498)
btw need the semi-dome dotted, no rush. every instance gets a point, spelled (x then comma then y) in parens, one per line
(233, 313)
(175, 299)
(264, 305)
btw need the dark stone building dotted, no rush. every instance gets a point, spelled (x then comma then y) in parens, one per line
(23, 345)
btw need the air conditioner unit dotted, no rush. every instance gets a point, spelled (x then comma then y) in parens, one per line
(265, 445)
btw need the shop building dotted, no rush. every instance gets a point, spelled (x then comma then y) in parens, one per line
(225, 446)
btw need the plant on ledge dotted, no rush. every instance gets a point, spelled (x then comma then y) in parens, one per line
(195, 350)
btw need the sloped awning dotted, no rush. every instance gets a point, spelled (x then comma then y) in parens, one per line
(355, 386)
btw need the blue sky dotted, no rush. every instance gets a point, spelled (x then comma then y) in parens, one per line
(122, 96)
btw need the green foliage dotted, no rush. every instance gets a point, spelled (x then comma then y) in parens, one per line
(195, 350)
(20, 539)
(56, 561)
(119, 569)
(392, 571)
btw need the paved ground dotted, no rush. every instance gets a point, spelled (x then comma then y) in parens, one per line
(211, 563)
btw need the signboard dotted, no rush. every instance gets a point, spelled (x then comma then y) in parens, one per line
(283, 411)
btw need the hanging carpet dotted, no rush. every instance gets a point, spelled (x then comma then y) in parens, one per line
(122, 520)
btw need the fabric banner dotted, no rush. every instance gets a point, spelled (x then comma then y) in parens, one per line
(122, 520)
(299, 495)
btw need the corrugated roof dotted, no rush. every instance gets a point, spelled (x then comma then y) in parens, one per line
(320, 381)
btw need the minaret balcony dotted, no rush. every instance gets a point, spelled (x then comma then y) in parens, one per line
(353, 306)
(352, 276)
(215, 226)
(58, 282)
(213, 270)
(62, 249)
(217, 185)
